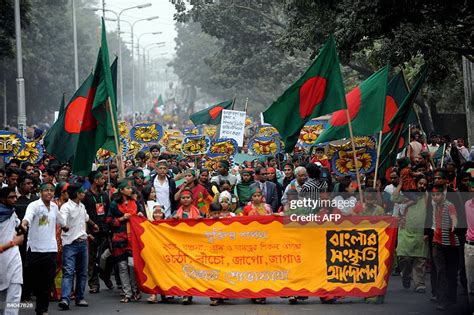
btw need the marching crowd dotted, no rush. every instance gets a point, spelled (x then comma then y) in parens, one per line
(61, 233)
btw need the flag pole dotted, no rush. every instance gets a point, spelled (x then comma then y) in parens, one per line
(408, 153)
(246, 104)
(233, 103)
(379, 145)
(442, 154)
(118, 155)
(359, 184)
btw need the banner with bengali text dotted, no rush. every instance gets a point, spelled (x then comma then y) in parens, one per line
(253, 257)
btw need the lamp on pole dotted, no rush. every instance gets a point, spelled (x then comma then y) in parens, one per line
(140, 6)
(140, 74)
(20, 81)
(74, 36)
(133, 63)
(146, 55)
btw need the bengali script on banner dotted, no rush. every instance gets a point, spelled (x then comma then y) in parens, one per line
(251, 257)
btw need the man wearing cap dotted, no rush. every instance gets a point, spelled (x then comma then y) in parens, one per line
(74, 243)
(41, 218)
(97, 205)
(224, 174)
(165, 188)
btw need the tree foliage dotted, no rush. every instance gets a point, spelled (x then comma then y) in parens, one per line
(264, 45)
(48, 56)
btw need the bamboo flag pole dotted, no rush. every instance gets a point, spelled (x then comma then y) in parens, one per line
(359, 183)
(379, 145)
(442, 155)
(408, 151)
(116, 138)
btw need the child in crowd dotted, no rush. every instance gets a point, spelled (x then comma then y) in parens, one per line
(256, 206)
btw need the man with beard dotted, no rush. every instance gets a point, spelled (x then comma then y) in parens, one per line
(12, 175)
(97, 205)
(41, 218)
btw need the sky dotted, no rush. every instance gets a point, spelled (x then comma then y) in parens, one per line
(165, 23)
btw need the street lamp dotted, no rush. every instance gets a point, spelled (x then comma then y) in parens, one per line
(146, 56)
(20, 81)
(141, 74)
(140, 6)
(133, 63)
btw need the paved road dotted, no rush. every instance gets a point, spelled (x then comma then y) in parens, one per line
(398, 301)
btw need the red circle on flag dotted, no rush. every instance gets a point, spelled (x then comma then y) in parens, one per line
(353, 100)
(214, 112)
(78, 116)
(311, 94)
(390, 110)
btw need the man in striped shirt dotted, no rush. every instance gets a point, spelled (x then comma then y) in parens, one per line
(314, 185)
(445, 248)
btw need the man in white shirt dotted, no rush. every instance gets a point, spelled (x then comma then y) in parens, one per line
(11, 277)
(74, 243)
(165, 188)
(296, 184)
(41, 218)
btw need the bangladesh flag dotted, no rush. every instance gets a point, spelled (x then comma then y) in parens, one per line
(397, 138)
(156, 104)
(98, 125)
(61, 139)
(211, 115)
(319, 91)
(366, 106)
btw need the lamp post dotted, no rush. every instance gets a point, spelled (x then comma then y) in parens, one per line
(74, 36)
(140, 6)
(133, 63)
(20, 81)
(146, 55)
(140, 74)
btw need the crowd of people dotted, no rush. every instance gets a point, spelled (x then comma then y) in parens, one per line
(61, 233)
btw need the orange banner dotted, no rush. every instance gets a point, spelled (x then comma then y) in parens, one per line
(254, 257)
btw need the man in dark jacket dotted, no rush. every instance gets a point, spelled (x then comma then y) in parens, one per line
(97, 205)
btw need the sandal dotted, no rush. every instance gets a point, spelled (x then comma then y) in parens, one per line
(152, 299)
(125, 300)
(215, 302)
(136, 297)
(259, 301)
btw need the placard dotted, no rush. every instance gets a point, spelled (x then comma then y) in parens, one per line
(233, 125)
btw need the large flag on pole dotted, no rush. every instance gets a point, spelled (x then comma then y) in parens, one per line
(98, 126)
(319, 91)
(366, 105)
(211, 115)
(396, 139)
(61, 139)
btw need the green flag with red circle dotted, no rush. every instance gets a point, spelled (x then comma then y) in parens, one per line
(366, 106)
(211, 115)
(319, 91)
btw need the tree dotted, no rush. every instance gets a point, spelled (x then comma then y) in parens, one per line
(48, 56)
(369, 33)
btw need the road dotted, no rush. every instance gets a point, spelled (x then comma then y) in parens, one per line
(398, 301)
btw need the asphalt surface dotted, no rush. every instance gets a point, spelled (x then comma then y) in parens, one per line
(397, 301)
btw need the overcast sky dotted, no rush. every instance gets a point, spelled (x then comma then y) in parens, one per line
(165, 23)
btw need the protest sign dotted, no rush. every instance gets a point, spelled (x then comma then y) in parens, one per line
(233, 125)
